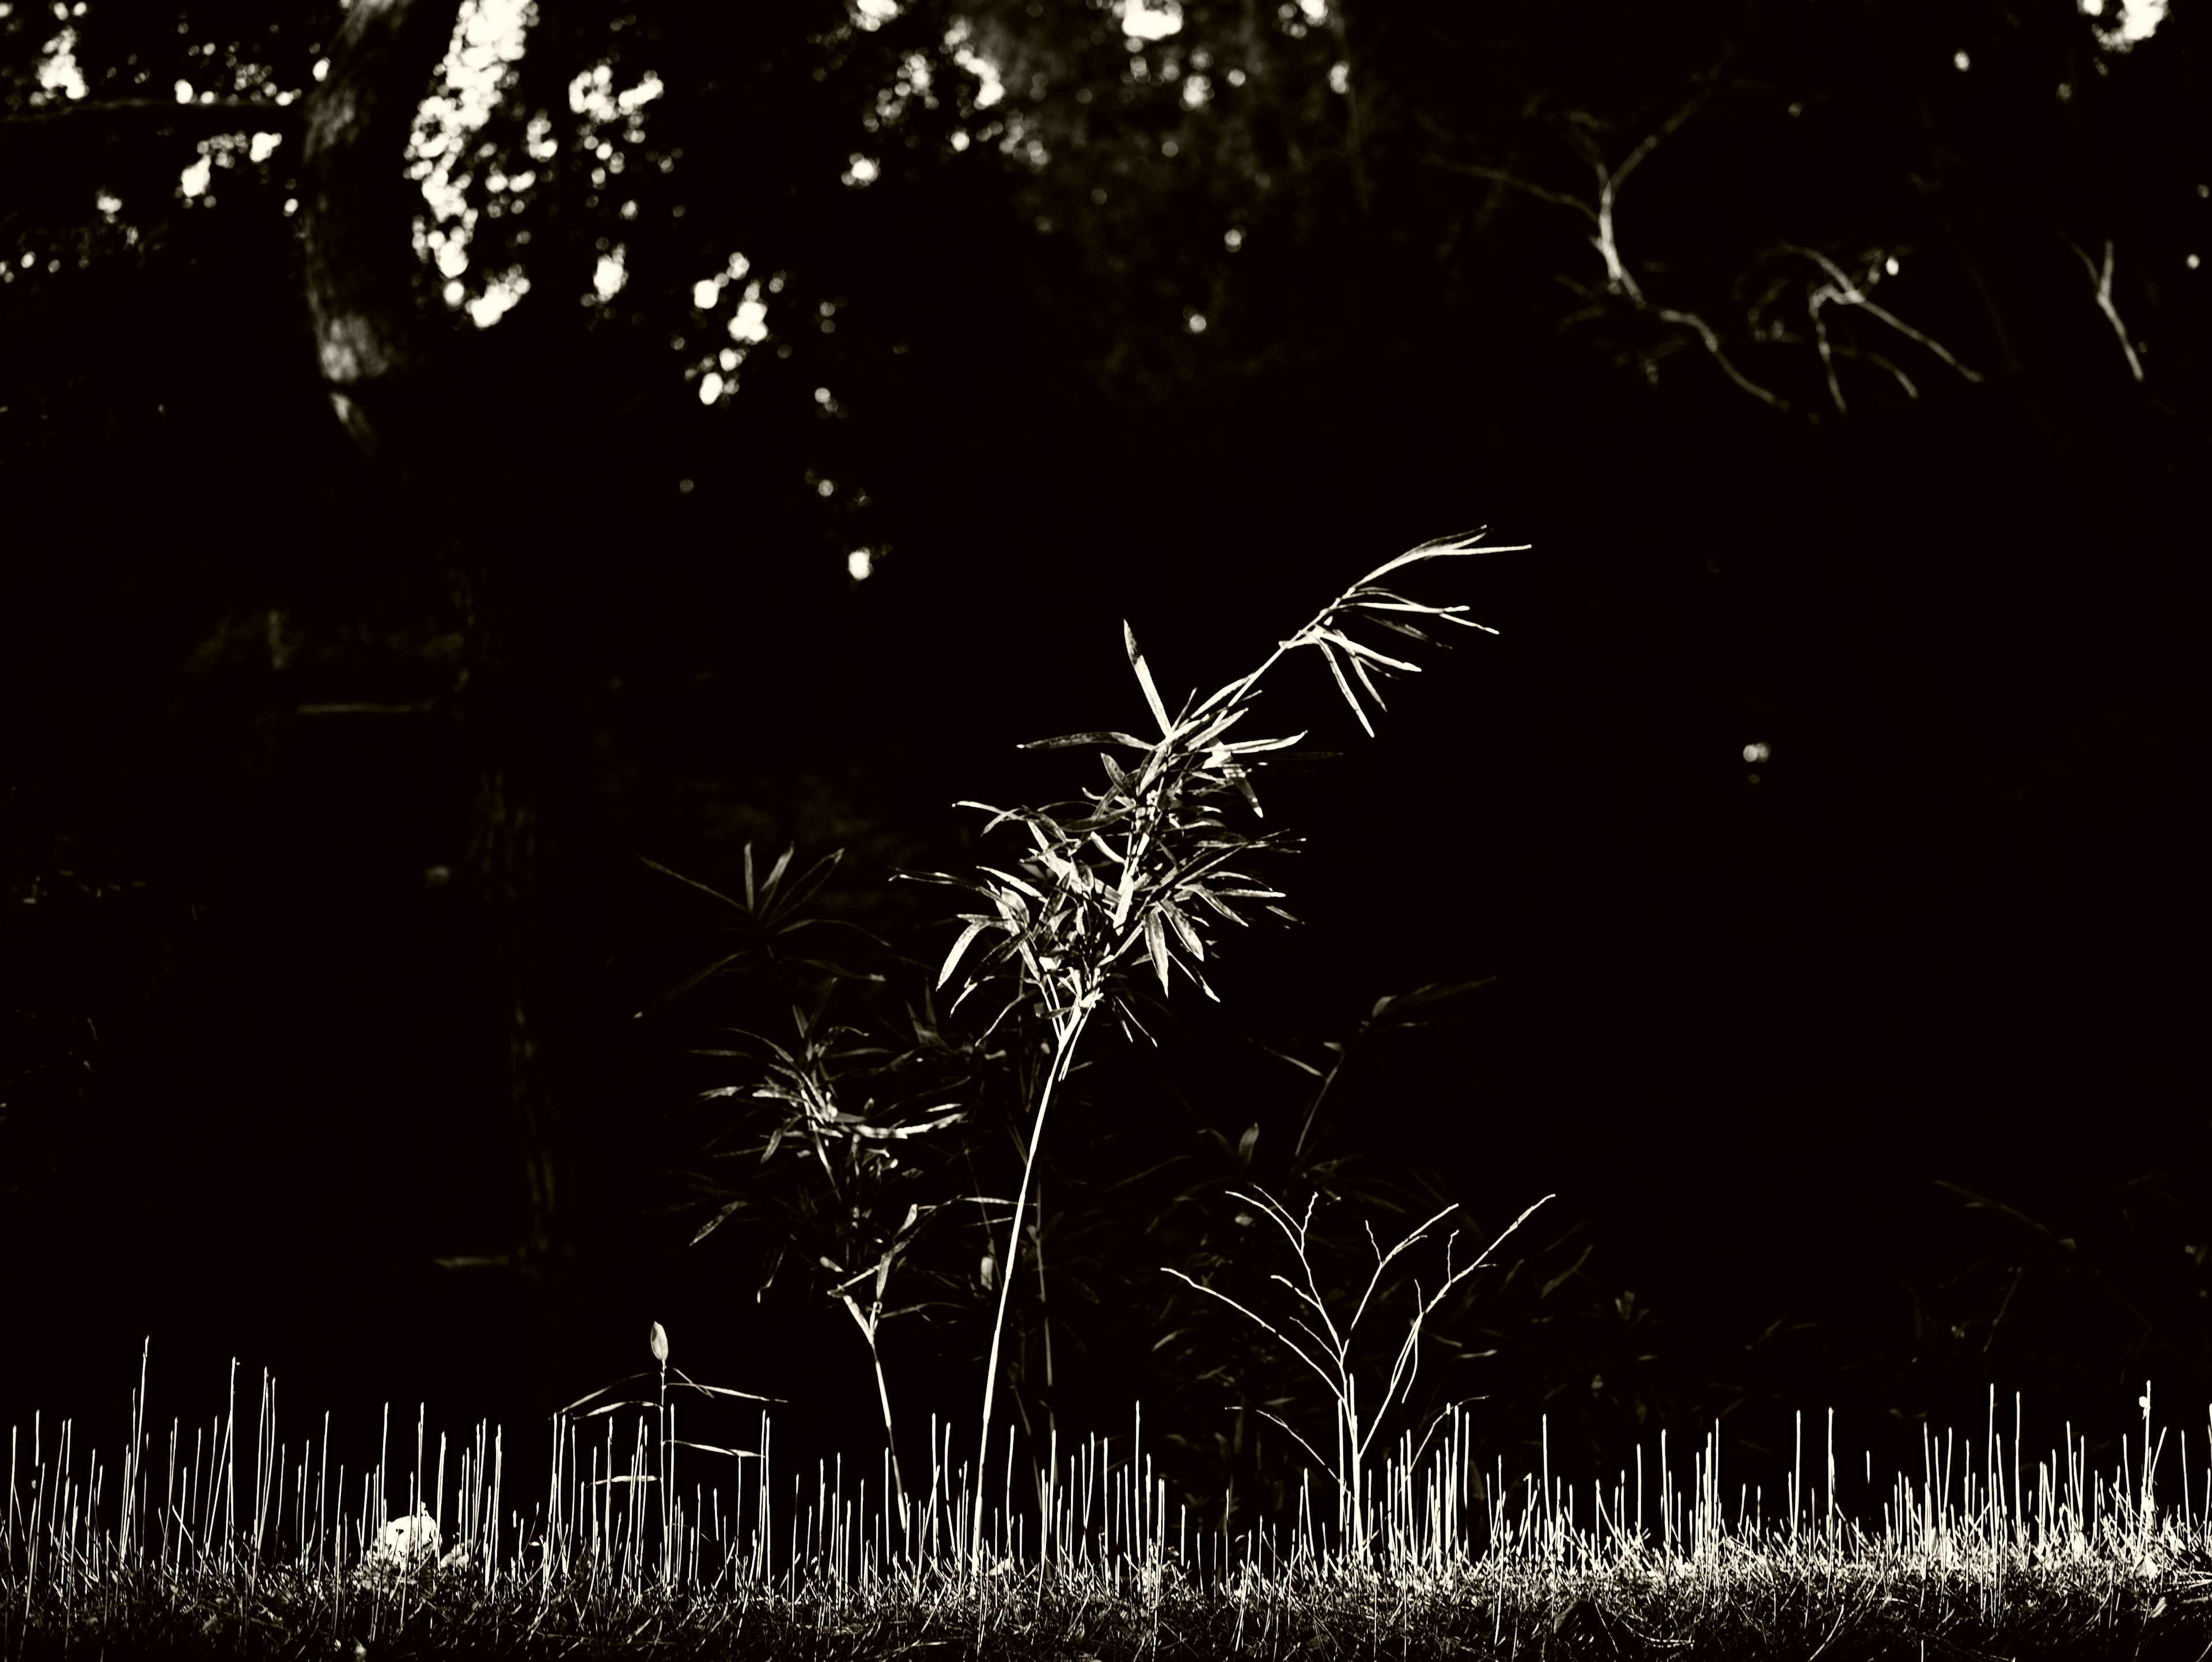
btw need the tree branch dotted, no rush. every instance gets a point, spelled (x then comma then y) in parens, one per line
(2103, 282)
(116, 119)
(364, 281)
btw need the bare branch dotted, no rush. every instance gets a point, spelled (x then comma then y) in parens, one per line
(2103, 279)
(139, 118)
(1503, 178)
(1620, 280)
(1850, 294)
(1712, 341)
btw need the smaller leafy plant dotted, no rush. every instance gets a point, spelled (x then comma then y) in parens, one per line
(861, 1150)
(666, 1442)
(1328, 1349)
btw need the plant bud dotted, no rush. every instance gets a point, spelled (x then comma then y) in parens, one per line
(659, 1342)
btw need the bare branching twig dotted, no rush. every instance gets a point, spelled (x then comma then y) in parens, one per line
(2103, 279)
(1839, 288)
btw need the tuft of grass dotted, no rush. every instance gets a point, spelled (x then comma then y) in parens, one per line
(271, 1555)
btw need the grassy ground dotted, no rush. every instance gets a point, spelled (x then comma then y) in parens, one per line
(197, 1543)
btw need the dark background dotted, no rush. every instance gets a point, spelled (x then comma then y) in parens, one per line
(1767, 1038)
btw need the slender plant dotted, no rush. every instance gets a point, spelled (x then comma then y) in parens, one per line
(835, 1223)
(1131, 871)
(1330, 1352)
(666, 1442)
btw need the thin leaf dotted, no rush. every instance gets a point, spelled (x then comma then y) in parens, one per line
(709, 1448)
(813, 878)
(714, 1223)
(1398, 1003)
(1144, 679)
(1345, 687)
(1184, 932)
(1243, 780)
(691, 981)
(724, 1390)
(775, 876)
(1155, 944)
(695, 884)
(999, 816)
(1442, 546)
(1250, 746)
(1027, 888)
(1221, 724)
(1067, 739)
(1206, 894)
(1359, 668)
(1360, 651)
(1409, 632)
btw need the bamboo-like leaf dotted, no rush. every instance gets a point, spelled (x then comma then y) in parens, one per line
(952, 958)
(1242, 779)
(714, 1223)
(1345, 687)
(775, 876)
(810, 879)
(1383, 599)
(999, 815)
(1249, 894)
(709, 1448)
(695, 884)
(1409, 632)
(1101, 738)
(1184, 932)
(1252, 746)
(721, 1390)
(1358, 650)
(1041, 822)
(1442, 546)
(1221, 724)
(1123, 781)
(1203, 894)
(1144, 679)
(590, 1395)
(1359, 668)
(690, 980)
(1398, 1004)
(1156, 944)
(1028, 889)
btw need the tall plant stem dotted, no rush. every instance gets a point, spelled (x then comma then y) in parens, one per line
(1063, 1053)
(884, 1396)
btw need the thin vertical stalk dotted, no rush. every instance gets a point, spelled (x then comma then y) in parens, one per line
(1063, 1053)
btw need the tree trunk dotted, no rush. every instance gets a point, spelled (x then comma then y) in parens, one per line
(421, 398)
